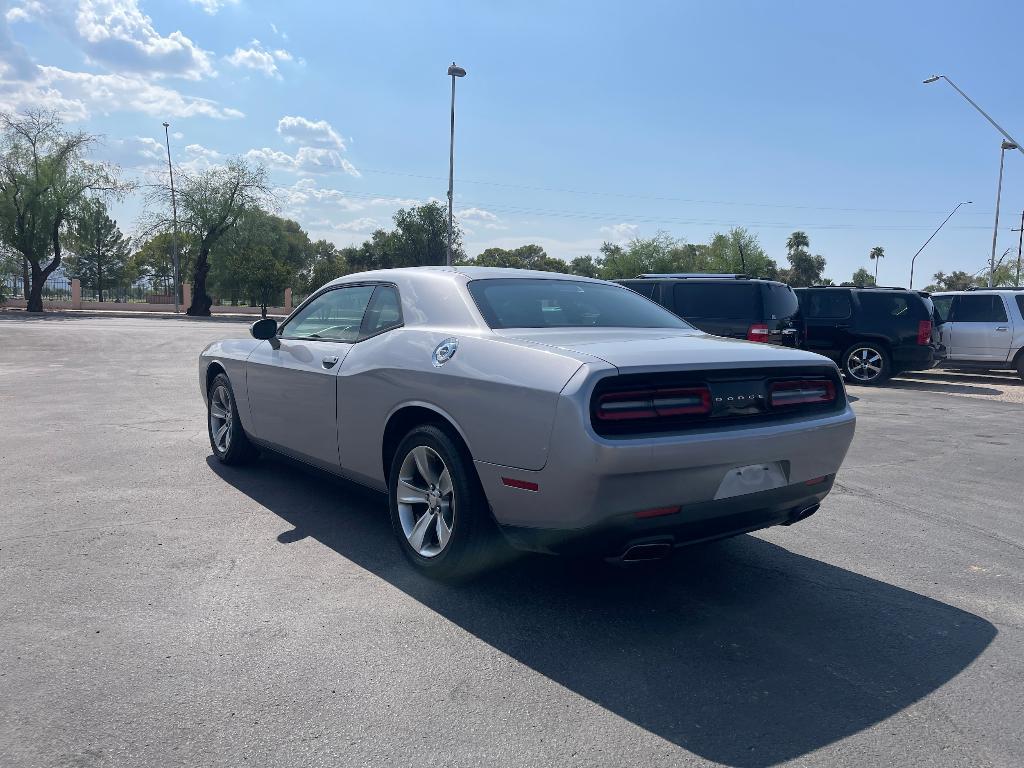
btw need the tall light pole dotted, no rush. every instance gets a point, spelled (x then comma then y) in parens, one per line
(454, 71)
(965, 202)
(995, 229)
(1020, 244)
(1008, 137)
(174, 215)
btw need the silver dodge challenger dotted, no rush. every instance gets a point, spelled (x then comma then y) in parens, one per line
(551, 412)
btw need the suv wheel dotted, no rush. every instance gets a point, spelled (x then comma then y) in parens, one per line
(1020, 365)
(867, 364)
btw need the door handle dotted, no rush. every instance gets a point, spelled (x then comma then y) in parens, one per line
(329, 362)
(788, 331)
(1002, 328)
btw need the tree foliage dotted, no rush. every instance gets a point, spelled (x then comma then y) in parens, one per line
(862, 278)
(100, 255)
(44, 179)
(524, 257)
(876, 255)
(804, 269)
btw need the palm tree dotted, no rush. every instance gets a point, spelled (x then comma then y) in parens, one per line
(876, 255)
(797, 240)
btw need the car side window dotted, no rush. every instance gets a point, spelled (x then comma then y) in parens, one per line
(978, 309)
(383, 313)
(1020, 304)
(828, 305)
(885, 305)
(335, 315)
(943, 305)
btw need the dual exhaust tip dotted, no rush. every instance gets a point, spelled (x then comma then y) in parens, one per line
(659, 550)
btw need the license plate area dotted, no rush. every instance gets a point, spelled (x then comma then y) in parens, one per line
(752, 478)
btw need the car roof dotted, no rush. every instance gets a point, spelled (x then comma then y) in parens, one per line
(980, 292)
(459, 273)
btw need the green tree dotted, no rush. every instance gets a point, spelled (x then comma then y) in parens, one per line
(327, 262)
(804, 269)
(210, 204)
(659, 254)
(420, 238)
(876, 255)
(44, 178)
(958, 280)
(100, 254)
(524, 257)
(862, 278)
(585, 266)
(154, 260)
(740, 252)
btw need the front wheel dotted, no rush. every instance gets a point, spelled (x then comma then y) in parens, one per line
(438, 509)
(227, 438)
(867, 364)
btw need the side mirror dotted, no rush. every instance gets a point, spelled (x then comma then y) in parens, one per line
(264, 329)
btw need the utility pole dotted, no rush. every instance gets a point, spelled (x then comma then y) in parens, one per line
(174, 215)
(454, 71)
(1020, 242)
(995, 229)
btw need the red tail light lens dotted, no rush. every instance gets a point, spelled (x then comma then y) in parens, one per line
(757, 332)
(654, 403)
(784, 393)
(924, 332)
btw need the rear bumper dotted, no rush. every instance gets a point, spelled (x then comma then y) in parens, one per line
(918, 357)
(590, 482)
(692, 524)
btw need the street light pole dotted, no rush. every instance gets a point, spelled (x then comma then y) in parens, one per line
(995, 229)
(174, 215)
(1008, 137)
(454, 71)
(965, 202)
(1020, 242)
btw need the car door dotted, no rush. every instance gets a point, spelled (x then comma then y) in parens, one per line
(979, 328)
(292, 380)
(827, 314)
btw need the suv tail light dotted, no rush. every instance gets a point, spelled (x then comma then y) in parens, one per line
(757, 332)
(784, 393)
(654, 403)
(924, 332)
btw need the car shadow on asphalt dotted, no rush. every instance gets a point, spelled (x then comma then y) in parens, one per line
(739, 651)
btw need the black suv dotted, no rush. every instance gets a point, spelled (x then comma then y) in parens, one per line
(871, 333)
(727, 305)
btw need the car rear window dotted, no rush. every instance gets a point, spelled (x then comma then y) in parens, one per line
(643, 287)
(827, 305)
(718, 301)
(942, 306)
(885, 305)
(782, 301)
(979, 309)
(541, 303)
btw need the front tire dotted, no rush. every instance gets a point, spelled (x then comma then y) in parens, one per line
(438, 510)
(867, 364)
(228, 440)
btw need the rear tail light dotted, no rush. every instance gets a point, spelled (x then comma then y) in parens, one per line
(757, 332)
(785, 393)
(924, 332)
(654, 403)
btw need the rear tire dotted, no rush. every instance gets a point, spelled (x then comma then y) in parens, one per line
(228, 440)
(867, 364)
(438, 509)
(1020, 366)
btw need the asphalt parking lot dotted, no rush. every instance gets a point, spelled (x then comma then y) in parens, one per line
(157, 609)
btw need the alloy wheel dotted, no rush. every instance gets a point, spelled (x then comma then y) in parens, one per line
(426, 501)
(865, 364)
(221, 416)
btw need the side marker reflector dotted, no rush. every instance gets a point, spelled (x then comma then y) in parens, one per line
(658, 512)
(523, 485)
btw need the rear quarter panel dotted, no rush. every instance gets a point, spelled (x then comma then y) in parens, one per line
(500, 396)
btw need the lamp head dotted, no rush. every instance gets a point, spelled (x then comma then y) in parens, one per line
(167, 125)
(456, 71)
(1008, 145)
(931, 79)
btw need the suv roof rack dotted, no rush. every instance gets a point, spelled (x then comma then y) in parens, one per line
(690, 275)
(997, 288)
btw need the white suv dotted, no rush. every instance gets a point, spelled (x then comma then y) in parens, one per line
(982, 329)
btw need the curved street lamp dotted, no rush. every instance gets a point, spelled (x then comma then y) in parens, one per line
(933, 234)
(984, 114)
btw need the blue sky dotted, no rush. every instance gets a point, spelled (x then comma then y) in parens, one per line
(577, 123)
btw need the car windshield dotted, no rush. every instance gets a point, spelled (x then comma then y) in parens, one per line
(549, 303)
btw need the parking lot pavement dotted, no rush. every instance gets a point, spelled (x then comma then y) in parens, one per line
(1006, 386)
(157, 609)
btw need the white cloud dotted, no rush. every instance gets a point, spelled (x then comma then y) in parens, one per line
(149, 148)
(364, 224)
(200, 158)
(77, 95)
(304, 195)
(258, 58)
(118, 34)
(621, 233)
(27, 10)
(479, 217)
(305, 160)
(301, 130)
(213, 6)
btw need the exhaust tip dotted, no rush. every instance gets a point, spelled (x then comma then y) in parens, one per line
(639, 553)
(803, 514)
